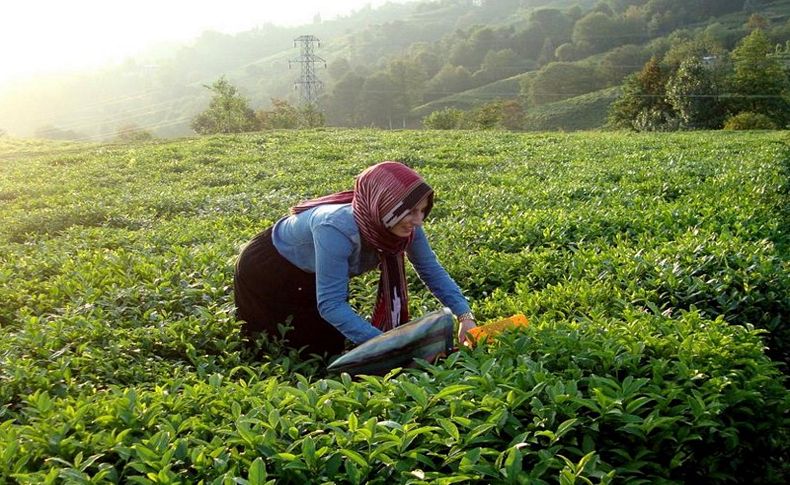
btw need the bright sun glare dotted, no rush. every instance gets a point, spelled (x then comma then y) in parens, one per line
(39, 36)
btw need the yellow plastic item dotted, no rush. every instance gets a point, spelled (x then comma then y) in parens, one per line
(478, 334)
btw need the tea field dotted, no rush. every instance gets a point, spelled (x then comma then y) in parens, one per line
(653, 267)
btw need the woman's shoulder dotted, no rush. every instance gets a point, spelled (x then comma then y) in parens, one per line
(332, 213)
(338, 216)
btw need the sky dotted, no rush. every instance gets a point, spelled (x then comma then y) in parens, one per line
(42, 36)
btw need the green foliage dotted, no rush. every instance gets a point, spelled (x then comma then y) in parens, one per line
(507, 114)
(284, 115)
(653, 267)
(161, 97)
(562, 80)
(693, 93)
(566, 52)
(689, 90)
(749, 121)
(618, 63)
(343, 106)
(553, 23)
(499, 65)
(311, 117)
(600, 32)
(585, 112)
(446, 119)
(408, 81)
(642, 106)
(496, 114)
(376, 105)
(466, 100)
(759, 82)
(228, 111)
(132, 133)
(665, 15)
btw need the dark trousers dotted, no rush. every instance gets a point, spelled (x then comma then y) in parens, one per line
(268, 289)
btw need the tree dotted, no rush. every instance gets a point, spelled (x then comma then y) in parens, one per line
(552, 23)
(464, 54)
(512, 115)
(717, 35)
(567, 52)
(756, 21)
(750, 121)
(498, 65)
(426, 56)
(311, 117)
(471, 51)
(377, 106)
(642, 105)
(622, 61)
(228, 111)
(685, 48)
(547, 51)
(408, 81)
(759, 84)
(339, 68)
(284, 115)
(450, 79)
(485, 117)
(507, 114)
(529, 42)
(604, 8)
(692, 91)
(599, 32)
(445, 119)
(343, 104)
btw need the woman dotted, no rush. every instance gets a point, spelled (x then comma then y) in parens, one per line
(300, 267)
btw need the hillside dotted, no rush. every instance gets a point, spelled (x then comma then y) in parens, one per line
(585, 112)
(385, 67)
(653, 268)
(503, 89)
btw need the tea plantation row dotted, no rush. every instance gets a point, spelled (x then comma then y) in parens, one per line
(654, 270)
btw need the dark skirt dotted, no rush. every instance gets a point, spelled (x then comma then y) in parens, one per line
(268, 289)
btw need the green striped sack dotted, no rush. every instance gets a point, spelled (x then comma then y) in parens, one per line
(426, 338)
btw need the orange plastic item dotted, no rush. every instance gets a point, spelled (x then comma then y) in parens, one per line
(478, 334)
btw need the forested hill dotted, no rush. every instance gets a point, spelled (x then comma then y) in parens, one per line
(391, 66)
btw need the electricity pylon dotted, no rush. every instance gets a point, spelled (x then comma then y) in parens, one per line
(308, 84)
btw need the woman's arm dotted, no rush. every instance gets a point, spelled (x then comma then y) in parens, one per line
(440, 283)
(434, 275)
(332, 250)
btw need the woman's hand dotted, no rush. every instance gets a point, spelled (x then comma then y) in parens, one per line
(464, 326)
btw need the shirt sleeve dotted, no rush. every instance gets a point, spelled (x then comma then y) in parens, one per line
(332, 251)
(434, 275)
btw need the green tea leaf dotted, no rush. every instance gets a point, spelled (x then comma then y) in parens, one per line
(354, 457)
(416, 393)
(450, 390)
(257, 474)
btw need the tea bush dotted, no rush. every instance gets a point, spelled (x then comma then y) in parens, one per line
(653, 268)
(750, 121)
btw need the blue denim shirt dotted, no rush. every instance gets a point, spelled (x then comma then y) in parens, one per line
(325, 240)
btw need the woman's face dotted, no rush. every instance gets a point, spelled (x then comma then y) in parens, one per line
(413, 219)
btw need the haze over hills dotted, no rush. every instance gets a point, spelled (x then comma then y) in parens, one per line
(389, 66)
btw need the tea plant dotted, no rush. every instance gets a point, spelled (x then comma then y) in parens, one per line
(653, 268)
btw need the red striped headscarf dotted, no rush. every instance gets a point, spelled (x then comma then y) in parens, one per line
(383, 195)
